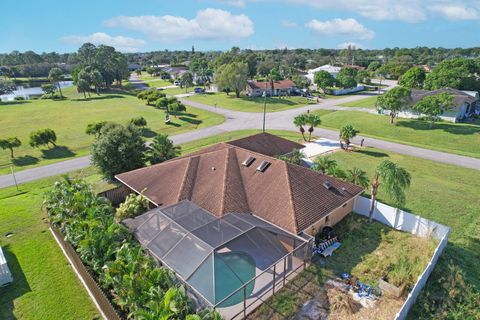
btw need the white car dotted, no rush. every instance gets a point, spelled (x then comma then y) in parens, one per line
(177, 83)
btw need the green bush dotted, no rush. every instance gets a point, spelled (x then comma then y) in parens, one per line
(19, 98)
(133, 206)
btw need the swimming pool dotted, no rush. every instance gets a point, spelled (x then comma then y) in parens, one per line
(232, 270)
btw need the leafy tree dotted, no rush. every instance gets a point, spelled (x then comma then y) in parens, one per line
(133, 206)
(457, 73)
(347, 78)
(187, 80)
(337, 172)
(177, 107)
(232, 76)
(96, 79)
(323, 79)
(301, 82)
(300, 121)
(347, 133)
(95, 128)
(10, 144)
(43, 137)
(56, 76)
(294, 157)
(6, 87)
(83, 87)
(323, 164)
(139, 121)
(49, 91)
(394, 180)
(363, 76)
(313, 120)
(394, 100)
(150, 95)
(118, 149)
(413, 78)
(435, 105)
(358, 177)
(162, 149)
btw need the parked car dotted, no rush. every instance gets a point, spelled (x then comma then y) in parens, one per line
(199, 90)
(177, 83)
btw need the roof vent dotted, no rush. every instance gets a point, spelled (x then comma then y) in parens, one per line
(263, 166)
(327, 185)
(248, 161)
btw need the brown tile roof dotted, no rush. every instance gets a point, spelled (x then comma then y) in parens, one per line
(279, 84)
(459, 96)
(289, 196)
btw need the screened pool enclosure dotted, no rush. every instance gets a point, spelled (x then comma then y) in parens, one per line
(221, 259)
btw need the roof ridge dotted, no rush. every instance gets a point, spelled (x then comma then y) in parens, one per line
(225, 174)
(186, 188)
(290, 198)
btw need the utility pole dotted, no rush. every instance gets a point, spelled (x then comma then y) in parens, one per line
(14, 178)
(264, 105)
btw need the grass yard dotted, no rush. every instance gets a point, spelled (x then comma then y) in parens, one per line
(449, 195)
(45, 287)
(368, 103)
(459, 138)
(70, 117)
(192, 146)
(177, 90)
(250, 104)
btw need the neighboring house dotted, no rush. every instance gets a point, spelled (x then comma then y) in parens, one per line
(220, 179)
(333, 70)
(275, 88)
(465, 103)
(175, 72)
(356, 67)
(5, 274)
(134, 66)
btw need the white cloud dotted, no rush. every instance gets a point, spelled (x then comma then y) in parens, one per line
(235, 3)
(208, 24)
(349, 28)
(345, 45)
(455, 12)
(120, 43)
(288, 24)
(405, 10)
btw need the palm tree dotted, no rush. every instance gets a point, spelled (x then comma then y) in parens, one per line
(300, 121)
(313, 121)
(347, 133)
(295, 157)
(358, 177)
(323, 164)
(337, 172)
(162, 149)
(395, 180)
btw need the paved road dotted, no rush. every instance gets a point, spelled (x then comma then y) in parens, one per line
(237, 120)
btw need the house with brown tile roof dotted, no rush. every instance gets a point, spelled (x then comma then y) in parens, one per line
(243, 176)
(272, 88)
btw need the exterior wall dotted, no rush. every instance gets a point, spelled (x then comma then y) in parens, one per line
(333, 218)
(339, 92)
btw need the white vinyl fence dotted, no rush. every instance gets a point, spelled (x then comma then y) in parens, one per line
(407, 222)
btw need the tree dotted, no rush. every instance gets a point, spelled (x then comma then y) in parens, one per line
(48, 91)
(346, 78)
(95, 128)
(363, 76)
(323, 164)
(6, 87)
(347, 133)
(435, 105)
(395, 100)
(358, 177)
(323, 79)
(56, 76)
(162, 149)
(301, 82)
(10, 143)
(457, 73)
(337, 172)
(187, 80)
(232, 76)
(118, 149)
(83, 87)
(394, 180)
(96, 79)
(294, 157)
(300, 121)
(43, 137)
(133, 206)
(151, 96)
(176, 107)
(139, 122)
(413, 78)
(313, 120)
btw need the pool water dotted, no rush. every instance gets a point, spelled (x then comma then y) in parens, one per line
(232, 270)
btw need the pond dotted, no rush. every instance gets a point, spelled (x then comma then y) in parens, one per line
(27, 92)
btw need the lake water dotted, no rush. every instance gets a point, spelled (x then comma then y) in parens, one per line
(27, 92)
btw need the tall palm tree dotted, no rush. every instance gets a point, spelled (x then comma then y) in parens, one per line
(337, 172)
(313, 120)
(347, 133)
(295, 157)
(395, 180)
(323, 164)
(162, 149)
(300, 121)
(358, 177)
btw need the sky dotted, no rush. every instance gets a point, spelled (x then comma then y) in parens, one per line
(150, 25)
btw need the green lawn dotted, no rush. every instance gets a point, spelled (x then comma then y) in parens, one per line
(177, 90)
(449, 195)
(363, 103)
(70, 117)
(250, 104)
(459, 138)
(45, 286)
(205, 142)
(158, 83)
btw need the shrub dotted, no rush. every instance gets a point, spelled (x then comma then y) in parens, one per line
(133, 206)
(19, 98)
(138, 121)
